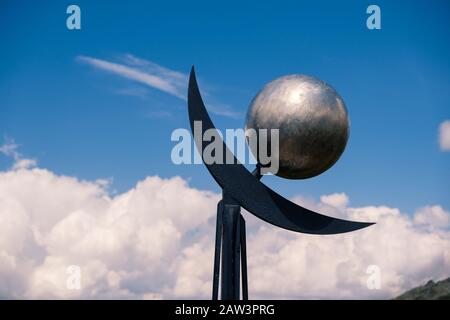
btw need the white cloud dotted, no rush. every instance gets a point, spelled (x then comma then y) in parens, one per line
(432, 216)
(444, 135)
(126, 246)
(24, 164)
(160, 80)
(156, 241)
(10, 149)
(139, 92)
(338, 200)
(155, 76)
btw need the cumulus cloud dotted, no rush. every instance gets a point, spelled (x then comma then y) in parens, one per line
(338, 200)
(432, 216)
(444, 135)
(126, 246)
(155, 241)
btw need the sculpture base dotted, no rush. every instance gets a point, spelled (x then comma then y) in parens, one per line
(230, 249)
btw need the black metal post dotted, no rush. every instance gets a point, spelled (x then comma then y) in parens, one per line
(244, 260)
(231, 247)
(218, 244)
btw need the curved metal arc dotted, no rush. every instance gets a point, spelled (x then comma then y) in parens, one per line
(250, 193)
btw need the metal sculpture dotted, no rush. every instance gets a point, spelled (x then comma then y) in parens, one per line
(240, 188)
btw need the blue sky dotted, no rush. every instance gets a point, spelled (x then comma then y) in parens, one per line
(80, 120)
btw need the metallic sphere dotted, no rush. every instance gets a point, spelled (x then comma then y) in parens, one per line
(312, 120)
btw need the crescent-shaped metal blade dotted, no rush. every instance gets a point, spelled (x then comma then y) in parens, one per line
(249, 192)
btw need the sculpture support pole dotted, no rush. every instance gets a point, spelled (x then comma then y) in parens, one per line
(231, 247)
(218, 244)
(237, 252)
(244, 260)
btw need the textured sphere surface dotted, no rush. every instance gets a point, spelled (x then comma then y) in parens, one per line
(312, 120)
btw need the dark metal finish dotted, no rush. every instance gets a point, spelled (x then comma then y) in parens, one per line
(231, 248)
(230, 245)
(218, 244)
(244, 260)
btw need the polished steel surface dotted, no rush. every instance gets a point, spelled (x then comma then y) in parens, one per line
(312, 120)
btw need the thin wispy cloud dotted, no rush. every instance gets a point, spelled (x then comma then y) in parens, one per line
(137, 91)
(152, 80)
(154, 76)
(158, 114)
(223, 110)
